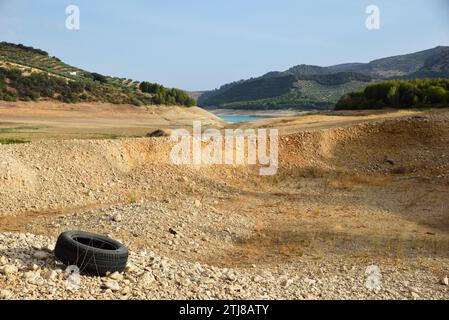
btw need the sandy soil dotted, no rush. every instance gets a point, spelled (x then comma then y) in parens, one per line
(50, 120)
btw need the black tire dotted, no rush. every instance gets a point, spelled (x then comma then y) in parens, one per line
(91, 253)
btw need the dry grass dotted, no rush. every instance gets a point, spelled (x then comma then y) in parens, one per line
(134, 196)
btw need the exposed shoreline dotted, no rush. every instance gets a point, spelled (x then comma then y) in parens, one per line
(259, 113)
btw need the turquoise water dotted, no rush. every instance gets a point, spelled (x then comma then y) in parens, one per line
(237, 119)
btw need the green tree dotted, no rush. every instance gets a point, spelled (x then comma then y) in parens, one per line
(99, 77)
(435, 95)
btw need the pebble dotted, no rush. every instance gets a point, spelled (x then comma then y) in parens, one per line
(30, 276)
(49, 248)
(286, 282)
(116, 276)
(5, 294)
(117, 218)
(50, 275)
(415, 295)
(9, 269)
(130, 268)
(110, 285)
(147, 279)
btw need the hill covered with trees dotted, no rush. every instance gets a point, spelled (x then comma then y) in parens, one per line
(27, 74)
(398, 94)
(314, 87)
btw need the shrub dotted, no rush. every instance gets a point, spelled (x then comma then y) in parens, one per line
(14, 85)
(99, 77)
(435, 94)
(12, 141)
(398, 94)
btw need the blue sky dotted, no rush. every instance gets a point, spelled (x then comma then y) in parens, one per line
(202, 44)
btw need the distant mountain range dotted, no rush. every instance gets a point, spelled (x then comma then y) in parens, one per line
(314, 87)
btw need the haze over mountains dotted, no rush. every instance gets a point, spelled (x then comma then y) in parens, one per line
(314, 87)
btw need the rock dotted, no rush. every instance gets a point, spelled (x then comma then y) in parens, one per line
(9, 269)
(50, 275)
(389, 161)
(147, 279)
(110, 285)
(307, 296)
(5, 294)
(234, 289)
(445, 281)
(172, 231)
(126, 290)
(116, 276)
(41, 255)
(3, 260)
(256, 279)
(159, 133)
(49, 248)
(117, 218)
(414, 292)
(415, 295)
(30, 276)
(197, 203)
(130, 268)
(230, 277)
(310, 282)
(286, 282)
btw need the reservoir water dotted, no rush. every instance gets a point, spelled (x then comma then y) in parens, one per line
(237, 118)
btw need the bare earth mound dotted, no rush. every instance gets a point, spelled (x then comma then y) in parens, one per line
(364, 191)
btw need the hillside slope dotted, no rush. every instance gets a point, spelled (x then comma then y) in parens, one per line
(310, 87)
(27, 74)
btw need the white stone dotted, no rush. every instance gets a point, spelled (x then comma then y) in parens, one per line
(147, 279)
(415, 295)
(116, 276)
(9, 269)
(5, 294)
(310, 282)
(117, 218)
(49, 248)
(30, 276)
(110, 285)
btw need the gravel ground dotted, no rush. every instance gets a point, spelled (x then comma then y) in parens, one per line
(343, 200)
(28, 270)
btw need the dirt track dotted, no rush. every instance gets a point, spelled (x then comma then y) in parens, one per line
(370, 190)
